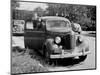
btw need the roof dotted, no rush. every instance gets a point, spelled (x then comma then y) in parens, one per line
(54, 18)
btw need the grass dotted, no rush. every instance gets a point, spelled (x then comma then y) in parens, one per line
(23, 63)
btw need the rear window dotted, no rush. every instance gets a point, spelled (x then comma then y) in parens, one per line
(35, 25)
(29, 25)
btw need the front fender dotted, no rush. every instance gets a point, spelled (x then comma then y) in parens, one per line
(49, 43)
(84, 46)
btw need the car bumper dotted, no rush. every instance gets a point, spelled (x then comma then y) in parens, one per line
(68, 55)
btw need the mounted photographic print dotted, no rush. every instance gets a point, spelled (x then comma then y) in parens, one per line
(52, 37)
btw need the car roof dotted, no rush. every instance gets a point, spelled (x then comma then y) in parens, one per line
(54, 18)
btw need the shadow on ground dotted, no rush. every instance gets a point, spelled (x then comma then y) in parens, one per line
(65, 62)
(57, 62)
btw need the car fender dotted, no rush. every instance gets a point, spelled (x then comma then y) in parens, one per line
(48, 43)
(84, 46)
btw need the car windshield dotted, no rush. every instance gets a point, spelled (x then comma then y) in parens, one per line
(56, 24)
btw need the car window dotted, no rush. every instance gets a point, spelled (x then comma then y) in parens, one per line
(58, 24)
(29, 25)
(35, 25)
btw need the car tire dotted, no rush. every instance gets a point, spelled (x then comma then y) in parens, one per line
(45, 52)
(46, 55)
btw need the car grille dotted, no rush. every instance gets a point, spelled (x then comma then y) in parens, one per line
(68, 42)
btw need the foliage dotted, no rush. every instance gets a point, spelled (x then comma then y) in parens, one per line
(39, 11)
(22, 14)
(85, 15)
(14, 4)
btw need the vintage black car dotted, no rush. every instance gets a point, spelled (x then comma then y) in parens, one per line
(54, 38)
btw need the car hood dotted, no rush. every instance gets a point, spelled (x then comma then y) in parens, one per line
(58, 33)
(60, 30)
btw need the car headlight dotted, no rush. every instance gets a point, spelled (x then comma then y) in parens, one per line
(57, 39)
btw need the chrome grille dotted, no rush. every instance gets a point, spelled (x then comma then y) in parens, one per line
(68, 41)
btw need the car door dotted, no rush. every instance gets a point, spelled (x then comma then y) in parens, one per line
(34, 36)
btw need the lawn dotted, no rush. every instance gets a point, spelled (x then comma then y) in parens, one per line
(22, 62)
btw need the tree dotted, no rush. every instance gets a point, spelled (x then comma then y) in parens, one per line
(14, 4)
(82, 14)
(39, 11)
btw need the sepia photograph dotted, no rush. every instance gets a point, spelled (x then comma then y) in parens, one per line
(52, 37)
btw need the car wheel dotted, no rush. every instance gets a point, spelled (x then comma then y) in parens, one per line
(46, 55)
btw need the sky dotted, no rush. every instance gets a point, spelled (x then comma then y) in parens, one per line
(31, 6)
